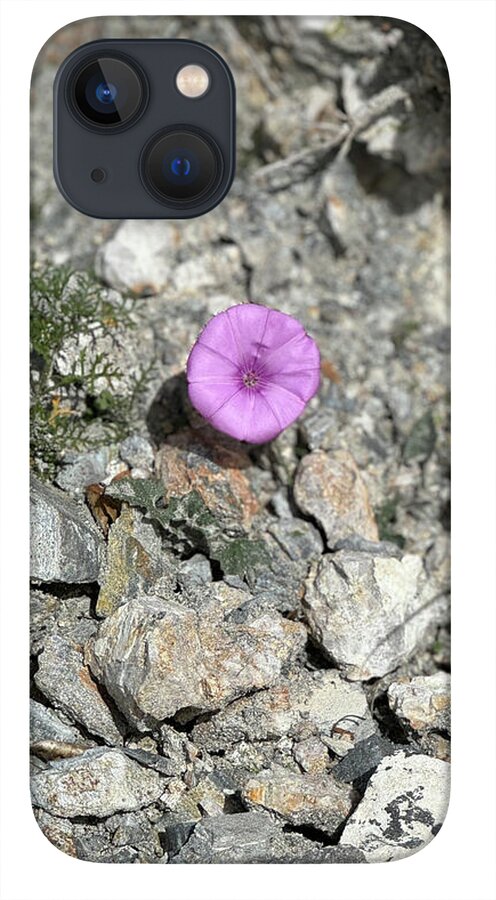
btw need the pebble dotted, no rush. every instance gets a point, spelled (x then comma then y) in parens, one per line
(424, 702)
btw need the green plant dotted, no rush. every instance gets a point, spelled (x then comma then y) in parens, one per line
(188, 519)
(73, 309)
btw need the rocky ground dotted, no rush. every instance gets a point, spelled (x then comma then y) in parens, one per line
(241, 654)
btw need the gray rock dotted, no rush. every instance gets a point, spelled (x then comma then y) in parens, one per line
(197, 567)
(66, 681)
(98, 783)
(60, 832)
(139, 257)
(66, 545)
(70, 618)
(251, 837)
(328, 487)
(137, 452)
(81, 469)
(46, 725)
(301, 799)
(133, 829)
(424, 702)
(304, 705)
(299, 539)
(151, 760)
(369, 613)
(132, 569)
(403, 807)
(196, 661)
(364, 758)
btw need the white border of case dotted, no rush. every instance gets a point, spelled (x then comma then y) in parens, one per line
(458, 864)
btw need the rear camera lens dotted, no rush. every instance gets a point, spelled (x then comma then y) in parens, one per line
(107, 92)
(182, 166)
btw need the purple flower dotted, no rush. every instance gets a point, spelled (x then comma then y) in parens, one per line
(252, 371)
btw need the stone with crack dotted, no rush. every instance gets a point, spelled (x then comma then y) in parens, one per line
(99, 783)
(131, 569)
(252, 837)
(423, 703)
(66, 545)
(159, 657)
(328, 487)
(370, 612)
(403, 807)
(318, 801)
(67, 682)
(304, 705)
(45, 724)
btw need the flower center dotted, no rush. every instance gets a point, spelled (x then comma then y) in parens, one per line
(250, 379)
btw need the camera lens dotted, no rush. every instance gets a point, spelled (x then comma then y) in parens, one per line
(107, 92)
(181, 166)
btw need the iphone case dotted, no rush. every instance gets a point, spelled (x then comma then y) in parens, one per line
(240, 649)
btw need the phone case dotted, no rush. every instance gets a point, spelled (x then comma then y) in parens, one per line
(240, 645)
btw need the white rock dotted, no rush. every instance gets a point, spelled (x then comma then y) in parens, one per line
(424, 702)
(370, 612)
(403, 807)
(138, 257)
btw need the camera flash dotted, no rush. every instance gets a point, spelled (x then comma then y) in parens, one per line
(192, 81)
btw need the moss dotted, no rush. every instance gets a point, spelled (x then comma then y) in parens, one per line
(64, 307)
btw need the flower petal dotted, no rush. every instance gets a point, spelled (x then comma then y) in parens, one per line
(207, 362)
(247, 416)
(208, 399)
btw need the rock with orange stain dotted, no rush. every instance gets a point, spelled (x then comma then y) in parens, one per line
(190, 462)
(301, 799)
(329, 488)
(67, 682)
(158, 658)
